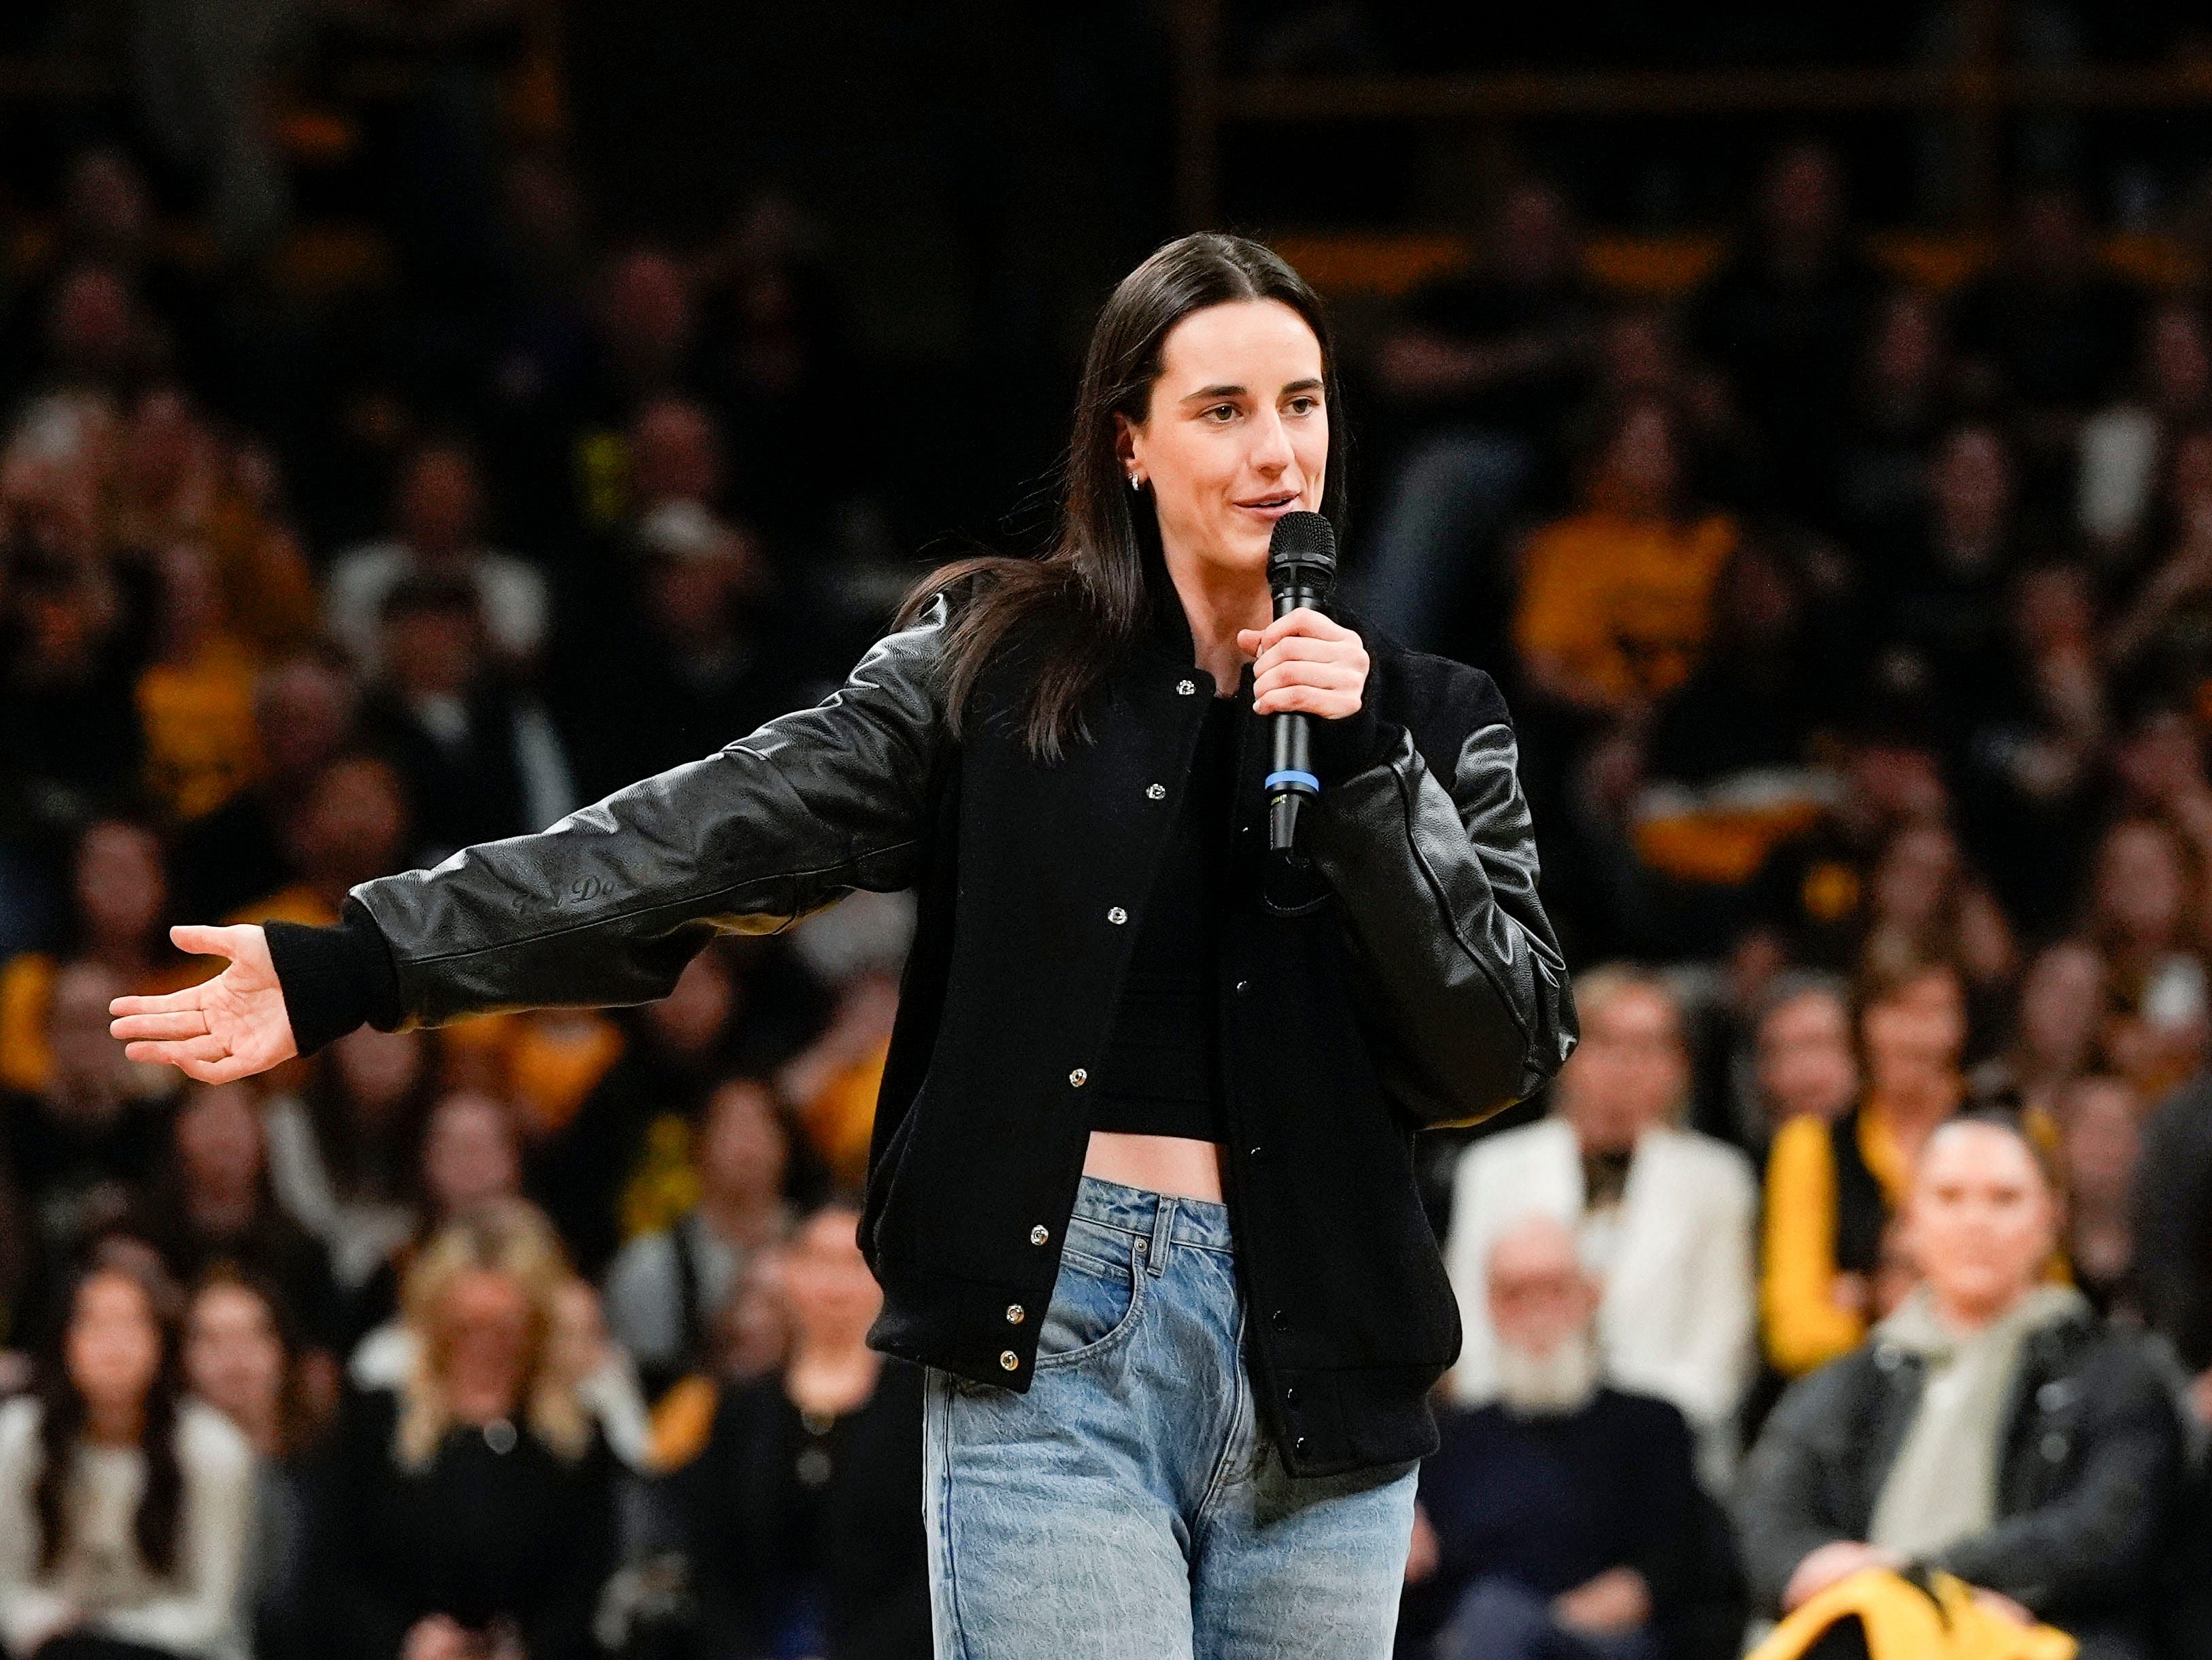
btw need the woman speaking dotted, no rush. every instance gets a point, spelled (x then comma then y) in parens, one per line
(1141, 1195)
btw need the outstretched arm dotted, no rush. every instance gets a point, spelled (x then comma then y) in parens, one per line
(607, 906)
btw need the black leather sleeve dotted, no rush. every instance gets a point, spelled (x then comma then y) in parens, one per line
(1466, 990)
(607, 906)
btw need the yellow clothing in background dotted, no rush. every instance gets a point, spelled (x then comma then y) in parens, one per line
(1804, 1327)
(201, 746)
(1625, 604)
(1903, 1622)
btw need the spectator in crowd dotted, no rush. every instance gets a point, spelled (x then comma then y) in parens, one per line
(241, 1359)
(1924, 904)
(471, 1509)
(665, 1287)
(1495, 359)
(81, 1147)
(342, 1154)
(798, 1515)
(2100, 1124)
(1664, 1215)
(2128, 446)
(1901, 396)
(1992, 1428)
(1833, 1187)
(1807, 1065)
(351, 824)
(214, 1206)
(436, 531)
(304, 708)
(1783, 317)
(2058, 1030)
(479, 761)
(118, 914)
(2147, 915)
(124, 1505)
(1615, 601)
(1561, 1521)
(2172, 1218)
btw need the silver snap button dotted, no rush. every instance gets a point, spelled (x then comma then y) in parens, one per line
(1014, 1312)
(1039, 1234)
(1186, 687)
(1009, 1359)
(1156, 791)
(1116, 915)
(1076, 1076)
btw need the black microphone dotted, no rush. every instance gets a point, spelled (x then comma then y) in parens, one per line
(1301, 571)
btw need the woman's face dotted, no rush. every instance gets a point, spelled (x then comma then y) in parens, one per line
(1640, 470)
(113, 1348)
(1981, 1219)
(486, 1327)
(378, 1069)
(219, 1141)
(1236, 435)
(2061, 1006)
(234, 1358)
(2140, 886)
(745, 1151)
(1918, 871)
(120, 885)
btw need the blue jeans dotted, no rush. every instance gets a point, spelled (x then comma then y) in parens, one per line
(1129, 1506)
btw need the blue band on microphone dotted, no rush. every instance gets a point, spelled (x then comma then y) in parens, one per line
(1311, 784)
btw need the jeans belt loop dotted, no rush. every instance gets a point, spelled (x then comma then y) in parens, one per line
(1163, 1220)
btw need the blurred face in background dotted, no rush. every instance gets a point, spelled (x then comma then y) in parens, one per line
(2176, 364)
(691, 1019)
(432, 650)
(1981, 1219)
(121, 886)
(2099, 1135)
(1906, 349)
(745, 1151)
(1916, 878)
(1972, 484)
(439, 504)
(113, 1346)
(303, 711)
(351, 826)
(484, 1332)
(753, 1331)
(830, 1295)
(1807, 1066)
(1914, 1033)
(378, 1071)
(469, 1154)
(2063, 1007)
(675, 455)
(219, 1151)
(1236, 433)
(234, 1355)
(91, 1077)
(1639, 473)
(2140, 888)
(1630, 1072)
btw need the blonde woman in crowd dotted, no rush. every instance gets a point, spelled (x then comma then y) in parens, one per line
(471, 1510)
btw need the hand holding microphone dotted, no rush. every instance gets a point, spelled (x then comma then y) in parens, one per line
(1307, 664)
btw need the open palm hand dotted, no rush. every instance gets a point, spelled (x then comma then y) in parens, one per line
(230, 1027)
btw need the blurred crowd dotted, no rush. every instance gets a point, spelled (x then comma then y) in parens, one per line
(1858, 631)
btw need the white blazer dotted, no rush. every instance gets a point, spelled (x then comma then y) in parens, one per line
(1677, 1317)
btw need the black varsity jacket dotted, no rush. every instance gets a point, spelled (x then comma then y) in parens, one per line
(1425, 989)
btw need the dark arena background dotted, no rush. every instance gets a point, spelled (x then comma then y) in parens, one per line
(419, 419)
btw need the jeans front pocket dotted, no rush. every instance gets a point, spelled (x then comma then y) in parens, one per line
(1096, 1298)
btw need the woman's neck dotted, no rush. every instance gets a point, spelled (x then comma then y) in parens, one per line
(1218, 602)
(115, 1424)
(479, 1400)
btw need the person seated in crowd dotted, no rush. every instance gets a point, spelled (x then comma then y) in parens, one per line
(304, 708)
(343, 1152)
(349, 825)
(2099, 1130)
(437, 515)
(124, 1505)
(1664, 1214)
(663, 1287)
(1991, 1428)
(2146, 912)
(2058, 1030)
(471, 1157)
(214, 1206)
(481, 760)
(1832, 1186)
(1616, 600)
(119, 911)
(242, 1359)
(1560, 1520)
(1805, 1063)
(799, 1514)
(470, 1511)
(1493, 361)
(79, 1149)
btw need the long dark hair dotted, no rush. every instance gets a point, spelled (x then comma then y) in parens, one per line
(1079, 606)
(62, 1414)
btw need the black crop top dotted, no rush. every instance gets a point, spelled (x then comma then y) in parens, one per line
(1159, 1076)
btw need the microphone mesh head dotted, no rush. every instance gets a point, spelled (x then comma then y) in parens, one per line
(1301, 549)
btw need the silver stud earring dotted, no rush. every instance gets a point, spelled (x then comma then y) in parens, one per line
(1135, 482)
